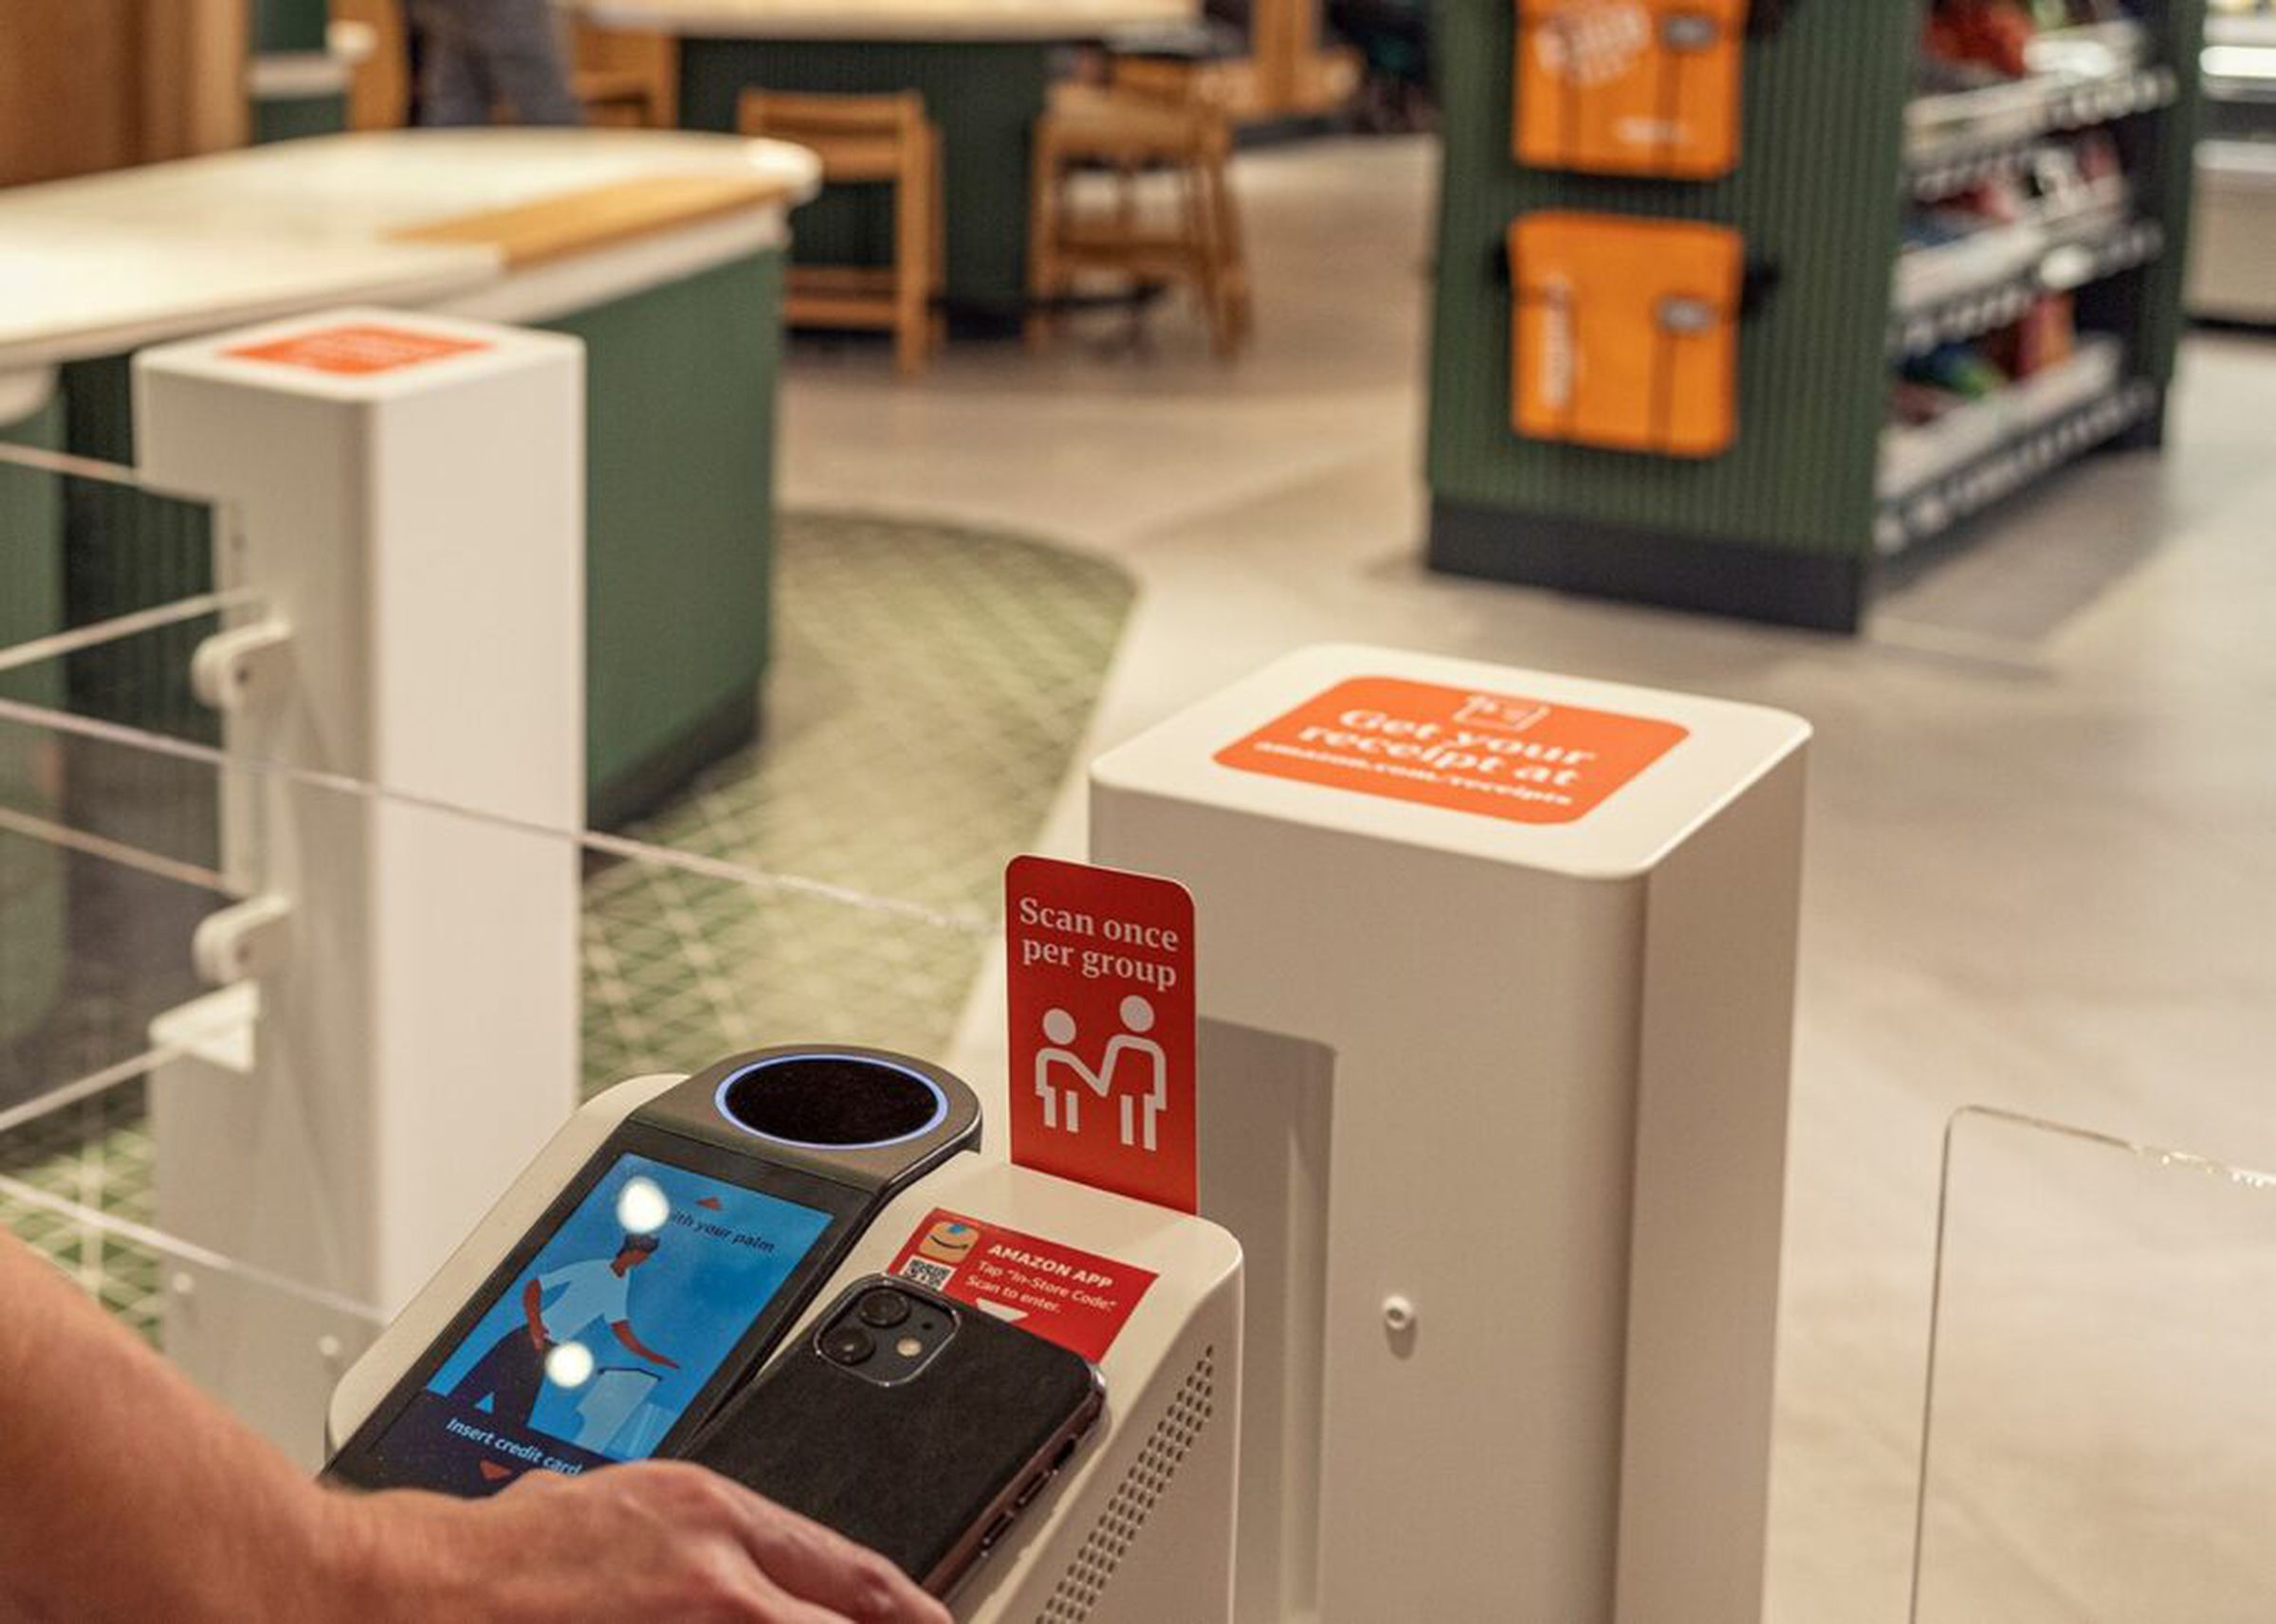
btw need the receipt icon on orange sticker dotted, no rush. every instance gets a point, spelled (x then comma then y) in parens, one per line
(1507, 716)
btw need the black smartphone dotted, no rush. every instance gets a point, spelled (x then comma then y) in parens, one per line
(913, 1425)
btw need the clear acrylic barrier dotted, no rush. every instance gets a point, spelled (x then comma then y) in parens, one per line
(138, 1149)
(2100, 1435)
(108, 857)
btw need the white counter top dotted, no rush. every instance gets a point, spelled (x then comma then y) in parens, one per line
(942, 21)
(107, 264)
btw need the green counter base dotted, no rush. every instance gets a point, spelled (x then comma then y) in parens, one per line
(680, 406)
(680, 398)
(290, 117)
(669, 767)
(1823, 592)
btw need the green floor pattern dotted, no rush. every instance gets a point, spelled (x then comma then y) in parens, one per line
(931, 688)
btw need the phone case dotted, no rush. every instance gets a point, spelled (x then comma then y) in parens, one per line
(926, 1472)
(1625, 332)
(1645, 87)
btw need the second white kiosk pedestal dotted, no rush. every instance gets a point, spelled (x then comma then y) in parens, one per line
(1497, 986)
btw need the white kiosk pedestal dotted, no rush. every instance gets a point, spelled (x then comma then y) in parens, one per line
(1496, 978)
(410, 493)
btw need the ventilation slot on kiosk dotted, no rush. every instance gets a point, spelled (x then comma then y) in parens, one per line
(1151, 1475)
(1645, 87)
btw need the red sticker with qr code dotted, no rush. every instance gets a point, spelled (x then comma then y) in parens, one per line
(1076, 1298)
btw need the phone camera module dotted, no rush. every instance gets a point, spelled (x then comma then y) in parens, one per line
(884, 1309)
(848, 1345)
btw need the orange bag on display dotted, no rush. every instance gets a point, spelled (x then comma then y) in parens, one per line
(1646, 87)
(1625, 332)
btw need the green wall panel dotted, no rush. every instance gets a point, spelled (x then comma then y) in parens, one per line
(1816, 195)
(984, 97)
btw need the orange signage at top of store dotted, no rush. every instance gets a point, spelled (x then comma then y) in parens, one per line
(1524, 761)
(358, 349)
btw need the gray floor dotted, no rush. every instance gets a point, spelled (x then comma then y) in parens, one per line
(2041, 867)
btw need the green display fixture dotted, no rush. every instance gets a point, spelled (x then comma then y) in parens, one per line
(680, 382)
(984, 96)
(1792, 524)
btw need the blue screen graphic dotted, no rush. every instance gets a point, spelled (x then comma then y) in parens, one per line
(606, 1335)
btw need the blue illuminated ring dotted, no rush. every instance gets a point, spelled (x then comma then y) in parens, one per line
(940, 1098)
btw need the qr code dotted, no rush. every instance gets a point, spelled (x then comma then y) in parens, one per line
(933, 1276)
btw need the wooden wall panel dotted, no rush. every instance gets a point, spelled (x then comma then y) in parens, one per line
(95, 84)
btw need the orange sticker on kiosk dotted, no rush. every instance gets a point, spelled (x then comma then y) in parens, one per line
(1076, 1298)
(1503, 755)
(358, 349)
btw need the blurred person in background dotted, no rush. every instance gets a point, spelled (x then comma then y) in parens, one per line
(478, 57)
(1393, 40)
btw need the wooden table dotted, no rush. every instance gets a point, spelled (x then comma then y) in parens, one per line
(982, 65)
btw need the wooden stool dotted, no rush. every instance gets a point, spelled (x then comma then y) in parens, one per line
(1132, 133)
(625, 81)
(614, 98)
(379, 85)
(868, 139)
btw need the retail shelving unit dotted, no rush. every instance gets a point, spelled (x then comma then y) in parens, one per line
(1798, 519)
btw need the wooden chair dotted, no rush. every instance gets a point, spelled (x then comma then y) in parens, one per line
(379, 87)
(868, 139)
(1131, 132)
(1208, 70)
(625, 80)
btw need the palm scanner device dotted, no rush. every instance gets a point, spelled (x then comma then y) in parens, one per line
(767, 1183)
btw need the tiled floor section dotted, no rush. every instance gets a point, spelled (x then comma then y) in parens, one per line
(931, 688)
(929, 691)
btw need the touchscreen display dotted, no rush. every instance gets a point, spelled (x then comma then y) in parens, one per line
(606, 1336)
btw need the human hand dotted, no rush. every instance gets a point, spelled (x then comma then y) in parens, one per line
(653, 1540)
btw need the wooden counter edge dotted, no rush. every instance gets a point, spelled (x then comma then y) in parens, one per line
(601, 216)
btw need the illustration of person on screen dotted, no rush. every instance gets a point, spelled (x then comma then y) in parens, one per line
(558, 1308)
